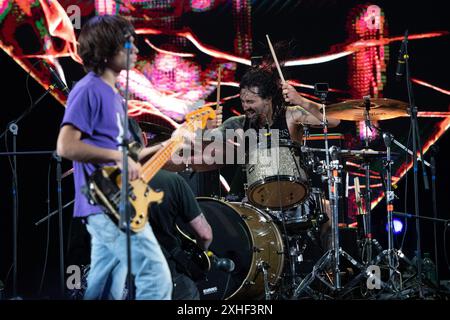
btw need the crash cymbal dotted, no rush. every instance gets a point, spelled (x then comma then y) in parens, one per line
(355, 110)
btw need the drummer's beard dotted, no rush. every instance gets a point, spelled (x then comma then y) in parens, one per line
(254, 119)
(253, 123)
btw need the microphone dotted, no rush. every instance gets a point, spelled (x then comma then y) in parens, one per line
(401, 58)
(57, 80)
(223, 264)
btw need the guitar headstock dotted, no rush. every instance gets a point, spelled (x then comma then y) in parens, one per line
(198, 118)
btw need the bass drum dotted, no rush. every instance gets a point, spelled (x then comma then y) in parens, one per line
(251, 240)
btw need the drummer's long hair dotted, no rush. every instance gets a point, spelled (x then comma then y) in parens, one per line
(268, 84)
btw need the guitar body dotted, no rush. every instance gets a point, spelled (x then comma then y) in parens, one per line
(104, 184)
(104, 187)
(197, 262)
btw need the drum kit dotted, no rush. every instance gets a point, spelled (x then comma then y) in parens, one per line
(267, 233)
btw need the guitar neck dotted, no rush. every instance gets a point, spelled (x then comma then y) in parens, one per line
(155, 163)
(194, 119)
(152, 166)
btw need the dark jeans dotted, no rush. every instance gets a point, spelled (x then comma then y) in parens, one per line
(184, 288)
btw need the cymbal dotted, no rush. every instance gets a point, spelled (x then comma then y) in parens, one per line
(365, 154)
(354, 154)
(380, 109)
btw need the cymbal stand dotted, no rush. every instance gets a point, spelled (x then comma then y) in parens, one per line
(333, 181)
(393, 255)
(331, 258)
(368, 241)
(389, 202)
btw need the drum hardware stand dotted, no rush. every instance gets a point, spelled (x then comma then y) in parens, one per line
(368, 240)
(306, 134)
(332, 169)
(393, 255)
(321, 90)
(264, 266)
(387, 137)
(296, 253)
(332, 256)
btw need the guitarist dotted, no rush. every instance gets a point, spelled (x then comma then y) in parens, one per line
(178, 207)
(90, 135)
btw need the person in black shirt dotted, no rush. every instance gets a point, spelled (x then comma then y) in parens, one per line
(179, 207)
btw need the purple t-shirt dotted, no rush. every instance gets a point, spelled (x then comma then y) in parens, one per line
(97, 111)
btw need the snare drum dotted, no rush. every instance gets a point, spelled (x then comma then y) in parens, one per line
(276, 177)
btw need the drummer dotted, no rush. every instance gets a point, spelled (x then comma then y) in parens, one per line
(265, 102)
(268, 104)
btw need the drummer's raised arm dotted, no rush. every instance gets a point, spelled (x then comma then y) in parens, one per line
(313, 108)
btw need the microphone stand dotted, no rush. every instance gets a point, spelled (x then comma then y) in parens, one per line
(124, 222)
(13, 127)
(60, 224)
(434, 150)
(14, 154)
(416, 146)
(14, 122)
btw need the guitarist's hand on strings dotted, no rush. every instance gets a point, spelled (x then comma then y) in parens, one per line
(134, 168)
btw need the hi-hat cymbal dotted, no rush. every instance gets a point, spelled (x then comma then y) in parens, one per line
(365, 154)
(356, 154)
(355, 110)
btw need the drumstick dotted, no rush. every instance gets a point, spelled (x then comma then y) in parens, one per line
(219, 107)
(275, 59)
(358, 196)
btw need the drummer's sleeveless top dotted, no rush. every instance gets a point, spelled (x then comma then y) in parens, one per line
(280, 124)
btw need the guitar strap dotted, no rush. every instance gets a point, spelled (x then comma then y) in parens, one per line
(136, 131)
